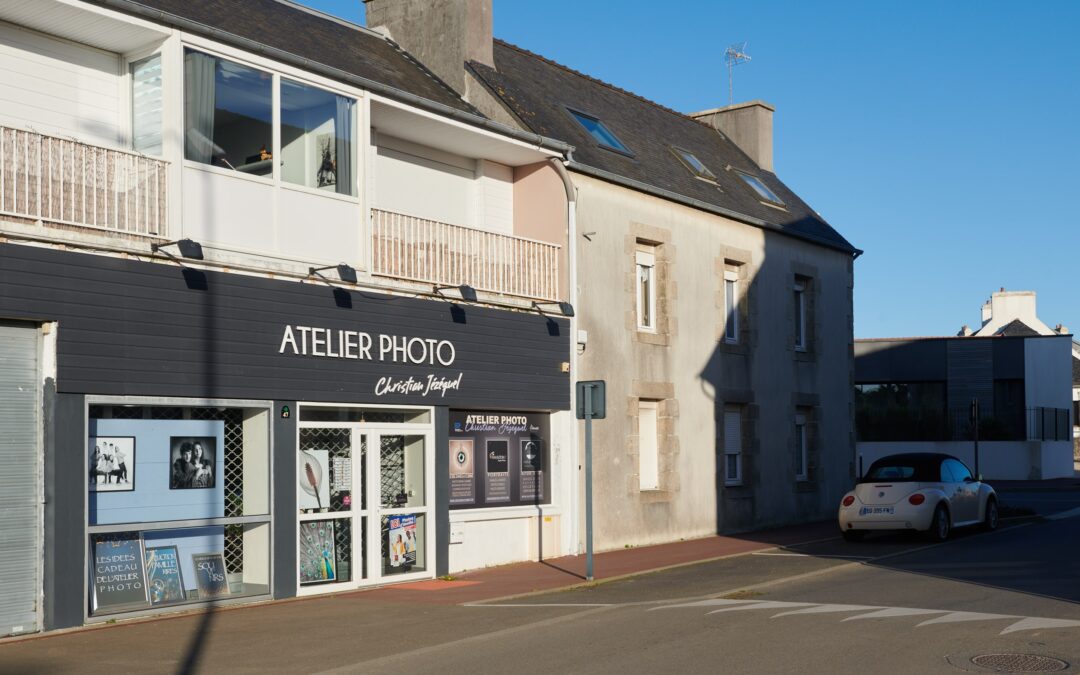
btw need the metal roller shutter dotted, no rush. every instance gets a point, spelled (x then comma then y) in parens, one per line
(20, 489)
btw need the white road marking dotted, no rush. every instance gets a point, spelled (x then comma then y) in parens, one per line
(890, 612)
(769, 604)
(542, 604)
(711, 602)
(1035, 623)
(956, 617)
(1071, 513)
(827, 609)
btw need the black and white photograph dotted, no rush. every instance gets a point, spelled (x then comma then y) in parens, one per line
(112, 463)
(192, 460)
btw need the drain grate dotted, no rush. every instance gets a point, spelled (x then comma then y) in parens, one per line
(1019, 663)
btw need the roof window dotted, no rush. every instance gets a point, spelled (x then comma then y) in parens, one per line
(694, 164)
(600, 132)
(760, 188)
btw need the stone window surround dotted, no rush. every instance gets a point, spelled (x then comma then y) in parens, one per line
(808, 276)
(667, 442)
(737, 261)
(659, 240)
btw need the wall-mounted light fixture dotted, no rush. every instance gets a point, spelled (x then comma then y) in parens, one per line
(344, 272)
(565, 308)
(188, 249)
(467, 292)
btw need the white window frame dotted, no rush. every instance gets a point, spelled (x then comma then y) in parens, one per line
(733, 446)
(731, 307)
(800, 315)
(646, 298)
(648, 445)
(802, 455)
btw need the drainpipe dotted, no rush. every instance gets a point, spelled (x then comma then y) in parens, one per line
(574, 498)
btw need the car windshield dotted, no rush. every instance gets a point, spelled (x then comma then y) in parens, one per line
(904, 470)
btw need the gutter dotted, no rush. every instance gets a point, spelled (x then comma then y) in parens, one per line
(705, 206)
(165, 18)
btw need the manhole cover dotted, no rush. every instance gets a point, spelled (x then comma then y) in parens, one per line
(1019, 663)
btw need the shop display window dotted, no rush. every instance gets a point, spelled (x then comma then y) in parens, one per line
(178, 505)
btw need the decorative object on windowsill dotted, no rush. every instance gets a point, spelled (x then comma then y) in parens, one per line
(327, 172)
(316, 493)
(210, 576)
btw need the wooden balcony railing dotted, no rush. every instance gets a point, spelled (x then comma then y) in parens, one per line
(65, 181)
(416, 249)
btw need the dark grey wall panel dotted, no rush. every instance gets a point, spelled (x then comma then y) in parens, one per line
(900, 361)
(65, 515)
(136, 328)
(971, 374)
(284, 463)
(1009, 358)
(442, 491)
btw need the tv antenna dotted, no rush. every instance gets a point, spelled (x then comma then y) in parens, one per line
(733, 56)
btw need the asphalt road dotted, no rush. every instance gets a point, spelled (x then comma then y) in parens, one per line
(890, 604)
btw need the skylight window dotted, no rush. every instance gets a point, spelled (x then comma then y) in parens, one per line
(760, 188)
(600, 132)
(693, 163)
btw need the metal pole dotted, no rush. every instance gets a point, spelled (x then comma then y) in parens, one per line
(588, 484)
(975, 416)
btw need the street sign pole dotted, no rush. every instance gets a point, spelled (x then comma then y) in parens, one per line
(588, 487)
(975, 426)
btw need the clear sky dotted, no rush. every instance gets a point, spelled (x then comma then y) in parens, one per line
(940, 138)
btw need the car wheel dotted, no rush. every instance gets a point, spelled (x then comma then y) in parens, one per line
(940, 526)
(990, 522)
(853, 535)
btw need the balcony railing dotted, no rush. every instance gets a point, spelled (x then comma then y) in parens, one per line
(64, 181)
(406, 247)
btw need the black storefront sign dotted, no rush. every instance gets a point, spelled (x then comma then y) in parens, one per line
(498, 459)
(133, 328)
(119, 572)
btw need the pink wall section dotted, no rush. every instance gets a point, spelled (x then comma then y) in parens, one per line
(540, 211)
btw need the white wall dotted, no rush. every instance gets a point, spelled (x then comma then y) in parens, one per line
(998, 460)
(489, 537)
(61, 88)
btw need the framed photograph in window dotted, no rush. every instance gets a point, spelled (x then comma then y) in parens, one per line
(192, 462)
(112, 463)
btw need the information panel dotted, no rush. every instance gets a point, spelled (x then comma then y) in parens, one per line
(498, 459)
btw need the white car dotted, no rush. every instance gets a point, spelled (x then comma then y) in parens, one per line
(927, 492)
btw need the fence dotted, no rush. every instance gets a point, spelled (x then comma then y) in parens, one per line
(65, 181)
(406, 247)
(1048, 424)
(896, 425)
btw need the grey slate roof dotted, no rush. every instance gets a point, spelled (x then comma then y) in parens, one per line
(538, 91)
(1016, 328)
(321, 39)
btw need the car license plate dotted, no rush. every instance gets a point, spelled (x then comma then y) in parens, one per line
(875, 510)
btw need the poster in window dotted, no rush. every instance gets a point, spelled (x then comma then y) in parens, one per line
(314, 480)
(163, 575)
(119, 572)
(326, 147)
(112, 463)
(532, 469)
(498, 470)
(192, 460)
(401, 537)
(317, 555)
(210, 576)
(462, 483)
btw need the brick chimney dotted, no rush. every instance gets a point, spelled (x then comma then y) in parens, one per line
(748, 125)
(441, 34)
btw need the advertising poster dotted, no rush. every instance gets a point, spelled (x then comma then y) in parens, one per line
(210, 577)
(163, 575)
(462, 483)
(193, 461)
(507, 455)
(317, 558)
(532, 469)
(112, 463)
(497, 481)
(314, 480)
(119, 573)
(401, 537)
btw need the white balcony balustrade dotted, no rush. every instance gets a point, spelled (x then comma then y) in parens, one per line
(59, 180)
(416, 249)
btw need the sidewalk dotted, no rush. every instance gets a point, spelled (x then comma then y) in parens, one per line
(568, 571)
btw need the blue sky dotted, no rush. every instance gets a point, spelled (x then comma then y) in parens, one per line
(941, 138)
